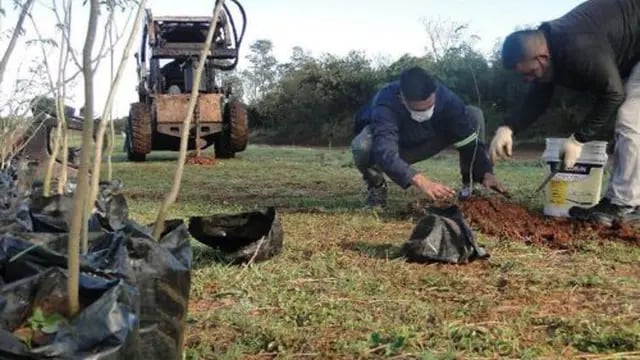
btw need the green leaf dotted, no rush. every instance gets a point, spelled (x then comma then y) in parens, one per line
(37, 319)
(52, 324)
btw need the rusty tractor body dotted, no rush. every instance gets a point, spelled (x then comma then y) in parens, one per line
(36, 143)
(166, 65)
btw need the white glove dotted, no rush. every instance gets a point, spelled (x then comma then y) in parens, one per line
(570, 152)
(501, 144)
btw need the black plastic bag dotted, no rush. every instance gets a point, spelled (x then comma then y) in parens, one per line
(443, 236)
(241, 237)
(26, 254)
(53, 214)
(111, 210)
(106, 328)
(14, 213)
(161, 270)
(119, 249)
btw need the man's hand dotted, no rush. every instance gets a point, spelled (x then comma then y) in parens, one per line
(434, 190)
(491, 182)
(570, 152)
(502, 144)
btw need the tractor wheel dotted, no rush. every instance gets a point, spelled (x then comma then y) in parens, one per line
(235, 134)
(139, 131)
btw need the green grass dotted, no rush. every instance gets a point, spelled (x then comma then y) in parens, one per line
(338, 292)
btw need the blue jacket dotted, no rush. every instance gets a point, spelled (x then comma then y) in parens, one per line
(393, 128)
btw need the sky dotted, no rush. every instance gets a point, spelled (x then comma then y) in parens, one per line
(382, 29)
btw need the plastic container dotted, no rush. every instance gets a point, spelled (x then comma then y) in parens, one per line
(578, 186)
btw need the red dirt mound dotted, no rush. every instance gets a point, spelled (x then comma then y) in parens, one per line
(203, 159)
(494, 216)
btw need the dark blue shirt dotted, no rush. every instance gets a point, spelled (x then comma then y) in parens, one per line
(393, 127)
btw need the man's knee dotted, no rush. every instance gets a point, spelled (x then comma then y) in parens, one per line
(477, 116)
(361, 146)
(629, 116)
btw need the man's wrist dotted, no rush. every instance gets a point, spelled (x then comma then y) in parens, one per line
(419, 179)
(578, 138)
(508, 128)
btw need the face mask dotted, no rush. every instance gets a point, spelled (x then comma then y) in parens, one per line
(422, 116)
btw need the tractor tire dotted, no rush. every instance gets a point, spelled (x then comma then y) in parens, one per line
(139, 133)
(235, 134)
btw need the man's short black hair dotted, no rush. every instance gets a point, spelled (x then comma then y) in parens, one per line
(416, 84)
(514, 48)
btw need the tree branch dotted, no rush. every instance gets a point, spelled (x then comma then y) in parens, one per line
(14, 38)
(97, 161)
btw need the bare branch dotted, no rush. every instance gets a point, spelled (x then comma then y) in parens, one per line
(14, 38)
(104, 51)
(67, 34)
(106, 117)
(62, 179)
(105, 37)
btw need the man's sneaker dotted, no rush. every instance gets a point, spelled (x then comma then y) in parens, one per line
(605, 213)
(377, 195)
(464, 193)
(633, 218)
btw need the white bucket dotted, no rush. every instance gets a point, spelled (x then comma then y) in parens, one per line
(578, 186)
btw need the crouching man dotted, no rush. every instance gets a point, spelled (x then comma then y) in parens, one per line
(411, 120)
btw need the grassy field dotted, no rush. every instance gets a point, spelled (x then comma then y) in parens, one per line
(338, 292)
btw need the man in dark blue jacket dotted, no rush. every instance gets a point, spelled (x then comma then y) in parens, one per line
(411, 120)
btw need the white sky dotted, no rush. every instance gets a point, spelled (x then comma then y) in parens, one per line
(380, 28)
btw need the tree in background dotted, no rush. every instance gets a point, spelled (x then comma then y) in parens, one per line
(262, 74)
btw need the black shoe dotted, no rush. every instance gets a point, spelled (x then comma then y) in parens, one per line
(632, 218)
(605, 213)
(377, 195)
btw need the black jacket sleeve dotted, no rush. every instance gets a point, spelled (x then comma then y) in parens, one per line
(535, 103)
(602, 78)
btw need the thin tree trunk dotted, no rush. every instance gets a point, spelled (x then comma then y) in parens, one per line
(51, 163)
(80, 195)
(60, 117)
(111, 136)
(14, 38)
(55, 89)
(63, 176)
(171, 197)
(102, 127)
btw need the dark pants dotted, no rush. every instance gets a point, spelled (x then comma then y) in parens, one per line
(362, 145)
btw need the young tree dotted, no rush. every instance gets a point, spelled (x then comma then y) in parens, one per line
(171, 197)
(78, 215)
(106, 113)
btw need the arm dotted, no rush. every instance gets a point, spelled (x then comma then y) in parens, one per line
(604, 81)
(384, 125)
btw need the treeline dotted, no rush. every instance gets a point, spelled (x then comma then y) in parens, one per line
(312, 100)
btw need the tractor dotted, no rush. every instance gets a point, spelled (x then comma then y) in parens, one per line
(166, 64)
